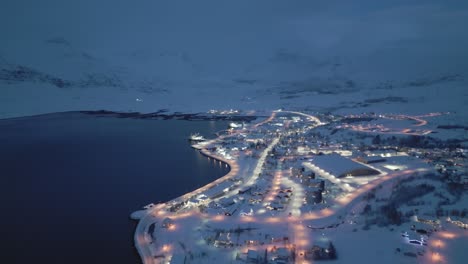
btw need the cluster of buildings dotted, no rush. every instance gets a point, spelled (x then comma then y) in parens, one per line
(303, 169)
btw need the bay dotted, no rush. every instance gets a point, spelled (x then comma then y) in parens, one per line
(69, 182)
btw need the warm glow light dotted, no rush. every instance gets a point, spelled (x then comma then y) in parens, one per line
(299, 228)
(302, 242)
(311, 216)
(161, 212)
(218, 218)
(438, 243)
(166, 248)
(447, 235)
(327, 212)
(248, 219)
(184, 215)
(273, 220)
(436, 257)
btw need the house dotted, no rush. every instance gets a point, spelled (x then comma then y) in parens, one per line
(226, 202)
(275, 205)
(245, 190)
(223, 240)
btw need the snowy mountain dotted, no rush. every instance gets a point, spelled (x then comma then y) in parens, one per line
(396, 56)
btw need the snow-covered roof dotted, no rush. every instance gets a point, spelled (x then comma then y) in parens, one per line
(217, 189)
(340, 166)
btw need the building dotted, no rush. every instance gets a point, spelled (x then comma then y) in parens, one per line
(223, 240)
(340, 166)
(371, 159)
(226, 202)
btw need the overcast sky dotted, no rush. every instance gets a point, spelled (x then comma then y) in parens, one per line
(235, 36)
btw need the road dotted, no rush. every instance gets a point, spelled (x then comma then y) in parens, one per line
(292, 219)
(142, 240)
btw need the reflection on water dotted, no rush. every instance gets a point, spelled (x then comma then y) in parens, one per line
(70, 181)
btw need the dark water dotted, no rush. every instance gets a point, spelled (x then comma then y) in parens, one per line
(68, 183)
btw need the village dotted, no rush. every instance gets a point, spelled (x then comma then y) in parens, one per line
(302, 187)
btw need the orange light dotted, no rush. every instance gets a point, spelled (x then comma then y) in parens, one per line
(327, 212)
(166, 247)
(248, 219)
(273, 220)
(218, 218)
(436, 257)
(302, 242)
(447, 235)
(299, 228)
(311, 215)
(438, 243)
(161, 212)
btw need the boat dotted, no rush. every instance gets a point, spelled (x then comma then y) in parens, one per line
(234, 125)
(196, 137)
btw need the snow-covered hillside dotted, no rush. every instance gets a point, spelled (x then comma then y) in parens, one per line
(192, 56)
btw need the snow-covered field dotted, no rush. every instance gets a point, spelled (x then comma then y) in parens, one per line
(389, 57)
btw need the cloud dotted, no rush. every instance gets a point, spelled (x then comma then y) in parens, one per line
(228, 37)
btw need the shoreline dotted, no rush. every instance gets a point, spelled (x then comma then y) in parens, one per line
(165, 115)
(160, 114)
(136, 214)
(145, 215)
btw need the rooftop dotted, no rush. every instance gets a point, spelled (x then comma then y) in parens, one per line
(340, 166)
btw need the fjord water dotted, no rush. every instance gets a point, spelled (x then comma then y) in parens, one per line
(69, 182)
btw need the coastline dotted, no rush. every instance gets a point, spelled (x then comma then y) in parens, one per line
(160, 114)
(143, 217)
(164, 114)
